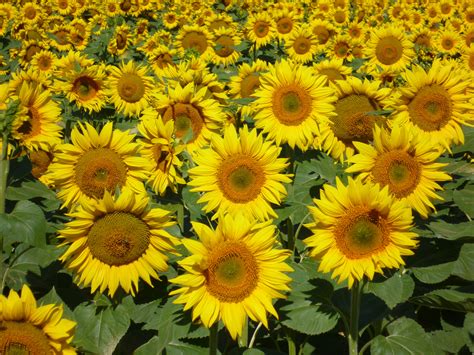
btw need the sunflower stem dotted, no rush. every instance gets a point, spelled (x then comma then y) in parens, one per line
(356, 293)
(243, 339)
(213, 338)
(291, 235)
(291, 344)
(4, 169)
(254, 51)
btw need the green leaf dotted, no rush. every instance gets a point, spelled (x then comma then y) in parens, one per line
(452, 231)
(52, 297)
(433, 274)
(468, 145)
(446, 299)
(149, 348)
(394, 290)
(180, 348)
(100, 333)
(30, 190)
(464, 200)
(464, 266)
(405, 337)
(190, 203)
(450, 341)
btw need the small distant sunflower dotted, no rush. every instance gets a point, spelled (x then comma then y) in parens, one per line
(435, 104)
(286, 22)
(339, 16)
(448, 42)
(389, 48)
(240, 173)
(162, 151)
(333, 69)
(161, 58)
(224, 46)
(468, 14)
(220, 20)
(359, 229)
(117, 242)
(233, 273)
(64, 7)
(129, 87)
(422, 38)
(30, 13)
(404, 164)
(60, 39)
(468, 36)
(340, 47)
(96, 162)
(195, 38)
(29, 49)
(323, 30)
(170, 20)
(40, 160)
(44, 61)
(37, 122)
(290, 102)
(302, 45)
(112, 8)
(29, 329)
(120, 41)
(260, 29)
(74, 60)
(355, 30)
(357, 102)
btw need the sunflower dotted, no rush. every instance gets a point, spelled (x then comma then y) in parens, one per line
(72, 61)
(116, 242)
(240, 173)
(40, 160)
(60, 39)
(468, 59)
(302, 45)
(218, 21)
(44, 61)
(29, 49)
(448, 42)
(161, 58)
(389, 48)
(286, 22)
(225, 41)
(64, 7)
(129, 87)
(355, 108)
(359, 229)
(468, 36)
(340, 47)
(260, 29)
(170, 19)
(290, 101)
(435, 103)
(95, 163)
(30, 13)
(37, 122)
(193, 114)
(162, 151)
(234, 272)
(333, 69)
(194, 38)
(120, 41)
(29, 329)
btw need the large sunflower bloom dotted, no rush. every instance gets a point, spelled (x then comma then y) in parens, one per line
(290, 102)
(233, 272)
(96, 162)
(117, 242)
(359, 229)
(28, 329)
(240, 173)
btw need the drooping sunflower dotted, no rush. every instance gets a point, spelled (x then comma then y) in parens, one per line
(435, 103)
(389, 48)
(240, 173)
(29, 329)
(129, 87)
(117, 242)
(161, 58)
(225, 41)
(96, 162)
(290, 102)
(403, 163)
(36, 125)
(233, 273)
(302, 45)
(162, 151)
(359, 229)
(355, 108)
(120, 41)
(260, 28)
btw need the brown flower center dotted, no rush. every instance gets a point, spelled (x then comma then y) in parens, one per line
(291, 104)
(85, 88)
(131, 87)
(389, 50)
(21, 338)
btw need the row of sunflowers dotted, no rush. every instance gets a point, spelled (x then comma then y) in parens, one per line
(237, 176)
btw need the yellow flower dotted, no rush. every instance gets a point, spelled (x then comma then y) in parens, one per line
(359, 229)
(260, 29)
(301, 45)
(224, 42)
(29, 329)
(233, 272)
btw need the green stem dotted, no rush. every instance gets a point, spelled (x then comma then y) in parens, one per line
(356, 293)
(291, 235)
(213, 338)
(291, 345)
(254, 51)
(4, 169)
(243, 339)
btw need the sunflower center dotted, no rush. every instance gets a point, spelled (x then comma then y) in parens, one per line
(361, 232)
(32, 126)
(40, 161)
(284, 25)
(341, 49)
(160, 156)
(232, 272)
(85, 87)
(226, 44)
(185, 117)
(195, 40)
(21, 338)
(340, 16)
(61, 37)
(399, 170)
(44, 62)
(121, 40)
(389, 50)
(447, 43)
(471, 61)
(331, 73)
(352, 123)
(98, 170)
(240, 178)
(118, 238)
(302, 45)
(291, 104)
(261, 29)
(131, 87)
(423, 40)
(431, 108)
(163, 60)
(31, 51)
(249, 84)
(30, 12)
(322, 33)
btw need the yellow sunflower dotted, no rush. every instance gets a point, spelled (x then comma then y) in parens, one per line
(260, 28)
(120, 41)
(448, 42)
(30, 13)
(129, 87)
(340, 46)
(240, 173)
(194, 38)
(286, 22)
(96, 162)
(29, 329)
(162, 151)
(160, 58)
(435, 103)
(323, 30)
(170, 20)
(403, 163)
(355, 108)
(334, 69)
(302, 45)
(290, 102)
(117, 242)
(359, 229)
(44, 61)
(36, 125)
(389, 48)
(234, 272)
(224, 43)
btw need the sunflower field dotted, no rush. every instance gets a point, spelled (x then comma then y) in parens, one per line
(236, 177)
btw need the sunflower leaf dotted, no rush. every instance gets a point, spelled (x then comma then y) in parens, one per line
(394, 290)
(452, 300)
